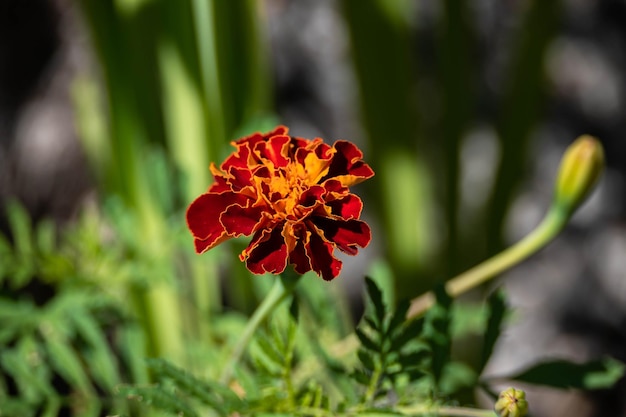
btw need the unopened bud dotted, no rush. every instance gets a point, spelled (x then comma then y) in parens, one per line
(512, 403)
(580, 169)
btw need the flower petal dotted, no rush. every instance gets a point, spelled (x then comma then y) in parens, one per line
(240, 220)
(348, 207)
(323, 262)
(275, 150)
(347, 235)
(296, 237)
(203, 218)
(266, 253)
(347, 165)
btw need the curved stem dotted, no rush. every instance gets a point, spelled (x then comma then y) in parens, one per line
(283, 287)
(551, 225)
(448, 411)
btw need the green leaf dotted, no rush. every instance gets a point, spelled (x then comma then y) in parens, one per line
(376, 297)
(66, 361)
(219, 397)
(21, 228)
(413, 359)
(366, 359)
(159, 398)
(437, 332)
(399, 316)
(410, 331)
(366, 341)
(103, 364)
(271, 351)
(497, 311)
(597, 374)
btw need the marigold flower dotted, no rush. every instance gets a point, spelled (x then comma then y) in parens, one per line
(292, 195)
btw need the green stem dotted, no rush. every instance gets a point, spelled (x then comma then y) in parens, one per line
(371, 389)
(547, 230)
(283, 288)
(447, 411)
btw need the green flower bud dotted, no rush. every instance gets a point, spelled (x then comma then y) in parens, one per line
(581, 166)
(512, 403)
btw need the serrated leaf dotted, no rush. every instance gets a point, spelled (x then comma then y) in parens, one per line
(437, 332)
(65, 360)
(408, 332)
(371, 322)
(214, 395)
(365, 340)
(30, 384)
(361, 377)
(366, 359)
(398, 317)
(103, 362)
(413, 358)
(270, 351)
(376, 297)
(597, 374)
(132, 343)
(496, 303)
(21, 229)
(159, 398)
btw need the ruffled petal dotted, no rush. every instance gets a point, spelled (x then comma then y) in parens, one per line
(346, 235)
(241, 221)
(296, 237)
(347, 208)
(320, 253)
(266, 253)
(275, 150)
(203, 218)
(347, 165)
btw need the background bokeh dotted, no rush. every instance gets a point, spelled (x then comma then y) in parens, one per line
(462, 108)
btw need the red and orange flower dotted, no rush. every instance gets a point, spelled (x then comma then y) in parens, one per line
(292, 194)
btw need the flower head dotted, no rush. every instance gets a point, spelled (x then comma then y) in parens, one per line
(292, 195)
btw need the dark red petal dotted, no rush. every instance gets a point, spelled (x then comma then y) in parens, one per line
(257, 136)
(298, 258)
(348, 207)
(347, 161)
(334, 186)
(347, 235)
(241, 177)
(322, 260)
(238, 159)
(238, 220)
(220, 185)
(267, 252)
(203, 217)
(311, 196)
(275, 150)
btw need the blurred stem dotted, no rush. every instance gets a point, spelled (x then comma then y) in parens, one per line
(547, 230)
(209, 72)
(283, 287)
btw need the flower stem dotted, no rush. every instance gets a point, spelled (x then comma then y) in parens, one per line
(282, 288)
(551, 225)
(447, 411)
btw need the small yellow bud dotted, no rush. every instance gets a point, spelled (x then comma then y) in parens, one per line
(581, 166)
(512, 403)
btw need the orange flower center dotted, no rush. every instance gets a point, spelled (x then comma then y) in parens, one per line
(287, 184)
